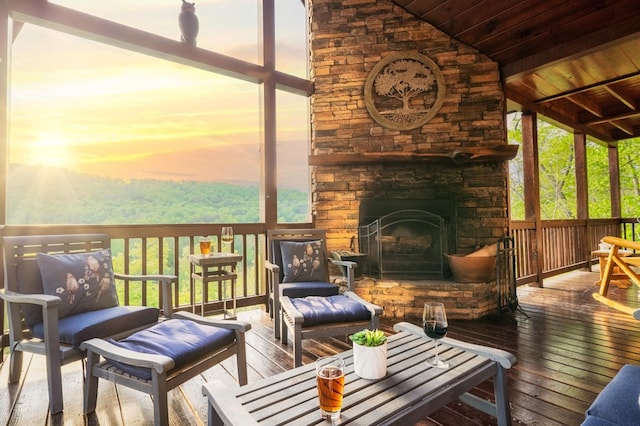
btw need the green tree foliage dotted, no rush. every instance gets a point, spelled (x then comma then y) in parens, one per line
(629, 159)
(47, 195)
(598, 181)
(557, 175)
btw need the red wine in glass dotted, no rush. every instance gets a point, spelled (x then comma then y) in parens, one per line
(434, 320)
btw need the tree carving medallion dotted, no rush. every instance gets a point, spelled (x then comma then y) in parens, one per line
(404, 91)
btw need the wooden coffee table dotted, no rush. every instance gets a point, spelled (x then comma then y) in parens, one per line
(410, 391)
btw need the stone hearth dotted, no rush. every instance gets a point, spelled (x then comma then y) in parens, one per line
(404, 300)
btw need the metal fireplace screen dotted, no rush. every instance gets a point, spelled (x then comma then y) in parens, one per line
(407, 244)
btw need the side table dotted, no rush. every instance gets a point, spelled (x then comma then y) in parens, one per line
(219, 268)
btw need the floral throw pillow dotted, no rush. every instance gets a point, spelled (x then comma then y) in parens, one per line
(303, 261)
(83, 282)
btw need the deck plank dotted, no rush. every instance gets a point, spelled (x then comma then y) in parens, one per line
(568, 346)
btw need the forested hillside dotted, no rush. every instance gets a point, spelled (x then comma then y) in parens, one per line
(47, 195)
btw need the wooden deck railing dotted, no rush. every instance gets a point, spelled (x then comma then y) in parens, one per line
(563, 245)
(165, 249)
(147, 249)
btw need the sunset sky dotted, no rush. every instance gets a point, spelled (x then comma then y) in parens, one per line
(98, 109)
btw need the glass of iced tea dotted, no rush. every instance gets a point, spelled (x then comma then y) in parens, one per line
(205, 246)
(330, 375)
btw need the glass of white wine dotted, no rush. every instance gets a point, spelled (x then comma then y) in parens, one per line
(227, 236)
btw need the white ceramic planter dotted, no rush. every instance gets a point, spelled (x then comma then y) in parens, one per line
(370, 362)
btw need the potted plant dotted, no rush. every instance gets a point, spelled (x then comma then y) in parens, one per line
(369, 354)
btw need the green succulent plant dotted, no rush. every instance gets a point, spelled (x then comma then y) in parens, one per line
(369, 337)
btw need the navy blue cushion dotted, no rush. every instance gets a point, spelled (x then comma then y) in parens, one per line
(181, 340)
(313, 288)
(617, 404)
(75, 329)
(83, 281)
(323, 310)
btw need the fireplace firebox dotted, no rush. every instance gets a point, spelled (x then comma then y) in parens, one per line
(407, 239)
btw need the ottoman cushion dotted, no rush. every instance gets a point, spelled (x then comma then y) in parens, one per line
(181, 340)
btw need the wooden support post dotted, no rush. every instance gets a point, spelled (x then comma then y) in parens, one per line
(532, 187)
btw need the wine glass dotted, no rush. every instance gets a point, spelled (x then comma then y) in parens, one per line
(227, 235)
(434, 320)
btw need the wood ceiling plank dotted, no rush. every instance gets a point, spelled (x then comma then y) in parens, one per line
(534, 29)
(422, 8)
(478, 13)
(615, 62)
(510, 21)
(631, 49)
(619, 16)
(564, 78)
(440, 15)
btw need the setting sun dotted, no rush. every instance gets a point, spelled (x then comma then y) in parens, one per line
(50, 151)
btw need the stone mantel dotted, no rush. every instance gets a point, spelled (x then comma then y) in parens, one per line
(455, 156)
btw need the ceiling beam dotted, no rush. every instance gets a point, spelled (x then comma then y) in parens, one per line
(59, 18)
(622, 97)
(589, 87)
(614, 117)
(557, 118)
(582, 46)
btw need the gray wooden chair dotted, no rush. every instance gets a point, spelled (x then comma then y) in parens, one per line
(324, 316)
(59, 291)
(285, 278)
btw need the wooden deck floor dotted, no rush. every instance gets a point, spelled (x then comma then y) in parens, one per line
(568, 347)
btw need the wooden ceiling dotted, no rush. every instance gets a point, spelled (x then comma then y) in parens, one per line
(577, 62)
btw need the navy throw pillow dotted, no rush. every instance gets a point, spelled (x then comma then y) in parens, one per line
(303, 261)
(83, 281)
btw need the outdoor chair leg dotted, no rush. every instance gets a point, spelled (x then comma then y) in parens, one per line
(91, 384)
(241, 359)
(54, 375)
(160, 404)
(503, 412)
(15, 366)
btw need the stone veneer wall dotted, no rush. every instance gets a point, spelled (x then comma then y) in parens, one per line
(348, 38)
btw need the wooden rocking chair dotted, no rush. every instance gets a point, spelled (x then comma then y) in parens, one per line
(624, 263)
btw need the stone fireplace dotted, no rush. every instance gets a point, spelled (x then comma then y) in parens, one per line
(406, 239)
(459, 155)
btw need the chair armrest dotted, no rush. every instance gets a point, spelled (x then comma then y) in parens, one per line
(110, 351)
(506, 359)
(349, 268)
(272, 267)
(346, 263)
(241, 326)
(159, 278)
(290, 309)
(164, 281)
(374, 309)
(44, 300)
